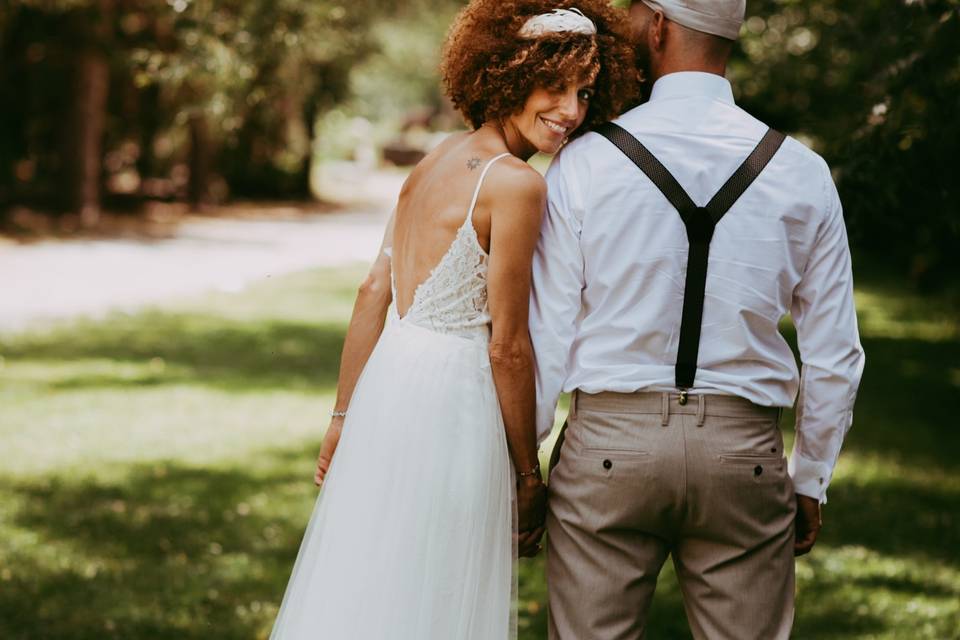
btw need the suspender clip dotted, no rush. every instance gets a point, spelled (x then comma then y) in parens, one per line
(683, 397)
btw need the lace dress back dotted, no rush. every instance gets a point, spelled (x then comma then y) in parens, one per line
(453, 298)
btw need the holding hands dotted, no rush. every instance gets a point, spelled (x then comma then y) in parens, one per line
(531, 512)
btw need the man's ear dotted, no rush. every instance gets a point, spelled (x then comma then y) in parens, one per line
(658, 31)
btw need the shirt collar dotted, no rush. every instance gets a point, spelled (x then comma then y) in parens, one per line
(689, 84)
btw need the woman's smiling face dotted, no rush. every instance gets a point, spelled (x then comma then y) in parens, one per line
(551, 115)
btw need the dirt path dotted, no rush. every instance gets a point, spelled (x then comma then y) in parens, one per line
(56, 279)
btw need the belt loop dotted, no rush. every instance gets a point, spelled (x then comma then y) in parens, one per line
(665, 409)
(701, 401)
(573, 404)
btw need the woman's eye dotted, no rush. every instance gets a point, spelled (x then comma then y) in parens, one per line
(586, 95)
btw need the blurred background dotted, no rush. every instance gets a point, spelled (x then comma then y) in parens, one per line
(190, 192)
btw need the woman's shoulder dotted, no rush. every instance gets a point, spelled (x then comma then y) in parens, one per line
(513, 179)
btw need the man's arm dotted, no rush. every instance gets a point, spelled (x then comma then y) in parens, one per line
(366, 325)
(557, 286)
(832, 363)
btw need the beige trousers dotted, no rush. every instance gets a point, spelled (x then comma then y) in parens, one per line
(639, 477)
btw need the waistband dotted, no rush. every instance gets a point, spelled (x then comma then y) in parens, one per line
(479, 336)
(667, 403)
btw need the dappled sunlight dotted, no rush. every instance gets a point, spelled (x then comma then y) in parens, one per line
(852, 590)
(174, 300)
(193, 551)
(94, 372)
(905, 316)
(210, 350)
(88, 428)
(897, 467)
(157, 474)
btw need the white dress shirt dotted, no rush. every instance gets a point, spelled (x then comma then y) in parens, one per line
(608, 275)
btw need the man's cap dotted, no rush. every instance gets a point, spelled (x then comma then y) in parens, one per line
(717, 17)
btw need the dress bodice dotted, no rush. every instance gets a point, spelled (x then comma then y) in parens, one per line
(453, 298)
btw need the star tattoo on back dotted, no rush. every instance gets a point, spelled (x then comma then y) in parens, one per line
(473, 163)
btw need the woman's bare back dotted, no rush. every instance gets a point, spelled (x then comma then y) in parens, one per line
(433, 205)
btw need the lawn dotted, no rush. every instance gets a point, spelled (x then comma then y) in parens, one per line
(155, 472)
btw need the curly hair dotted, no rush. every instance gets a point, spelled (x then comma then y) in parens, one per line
(489, 71)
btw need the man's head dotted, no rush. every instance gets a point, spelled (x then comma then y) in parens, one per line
(685, 35)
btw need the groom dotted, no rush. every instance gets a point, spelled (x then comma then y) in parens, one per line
(675, 241)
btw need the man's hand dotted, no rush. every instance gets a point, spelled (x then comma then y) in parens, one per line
(327, 449)
(531, 514)
(808, 524)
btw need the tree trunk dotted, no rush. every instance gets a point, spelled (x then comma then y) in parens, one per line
(87, 120)
(304, 185)
(201, 156)
(85, 135)
(149, 108)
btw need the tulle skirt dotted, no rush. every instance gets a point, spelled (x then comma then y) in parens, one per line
(413, 534)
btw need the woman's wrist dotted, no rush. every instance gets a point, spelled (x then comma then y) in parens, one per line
(529, 470)
(530, 474)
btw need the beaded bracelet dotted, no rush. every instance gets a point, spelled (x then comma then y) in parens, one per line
(533, 472)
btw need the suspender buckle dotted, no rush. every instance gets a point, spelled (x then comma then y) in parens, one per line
(683, 397)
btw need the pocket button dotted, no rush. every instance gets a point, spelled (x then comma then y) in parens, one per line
(607, 464)
(757, 470)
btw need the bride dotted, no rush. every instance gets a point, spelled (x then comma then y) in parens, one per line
(435, 486)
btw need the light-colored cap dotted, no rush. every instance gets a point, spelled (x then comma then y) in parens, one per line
(718, 17)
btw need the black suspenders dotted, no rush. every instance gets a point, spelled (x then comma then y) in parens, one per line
(700, 223)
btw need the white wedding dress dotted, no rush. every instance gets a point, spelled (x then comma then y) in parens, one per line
(413, 534)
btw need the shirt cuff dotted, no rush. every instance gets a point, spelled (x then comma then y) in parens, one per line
(810, 478)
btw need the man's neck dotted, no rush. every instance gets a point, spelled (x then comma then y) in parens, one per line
(676, 66)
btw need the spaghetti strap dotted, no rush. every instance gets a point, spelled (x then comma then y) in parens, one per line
(476, 192)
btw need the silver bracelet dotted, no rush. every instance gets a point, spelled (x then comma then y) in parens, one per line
(338, 414)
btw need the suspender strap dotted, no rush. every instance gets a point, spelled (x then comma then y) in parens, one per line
(700, 223)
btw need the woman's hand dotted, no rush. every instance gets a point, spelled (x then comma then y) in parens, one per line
(366, 324)
(531, 512)
(327, 449)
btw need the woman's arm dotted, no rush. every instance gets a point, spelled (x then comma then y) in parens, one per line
(514, 229)
(366, 325)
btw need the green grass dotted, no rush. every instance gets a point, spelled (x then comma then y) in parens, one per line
(155, 472)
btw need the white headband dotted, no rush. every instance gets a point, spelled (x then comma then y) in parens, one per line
(558, 21)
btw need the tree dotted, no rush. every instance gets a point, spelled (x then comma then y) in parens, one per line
(875, 86)
(230, 87)
(83, 135)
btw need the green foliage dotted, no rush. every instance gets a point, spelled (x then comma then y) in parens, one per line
(157, 472)
(876, 86)
(257, 73)
(402, 74)
(281, 63)
(397, 83)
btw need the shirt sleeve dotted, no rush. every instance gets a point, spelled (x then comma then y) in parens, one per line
(830, 351)
(556, 289)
